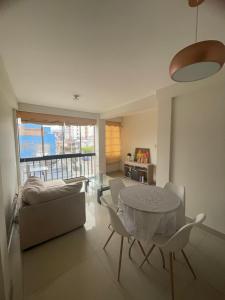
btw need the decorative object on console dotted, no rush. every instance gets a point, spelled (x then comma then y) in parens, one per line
(129, 155)
(139, 171)
(142, 155)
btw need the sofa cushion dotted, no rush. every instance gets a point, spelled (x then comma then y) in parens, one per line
(33, 181)
(30, 183)
(37, 194)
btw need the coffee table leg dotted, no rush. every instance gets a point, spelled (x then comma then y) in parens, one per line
(86, 185)
(99, 194)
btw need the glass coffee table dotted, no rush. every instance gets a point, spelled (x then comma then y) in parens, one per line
(78, 179)
(101, 183)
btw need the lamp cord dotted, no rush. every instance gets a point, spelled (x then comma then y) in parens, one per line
(196, 28)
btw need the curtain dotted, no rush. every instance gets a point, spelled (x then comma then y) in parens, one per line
(39, 118)
(112, 142)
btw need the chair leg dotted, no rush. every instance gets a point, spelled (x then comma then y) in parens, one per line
(142, 250)
(111, 234)
(171, 275)
(146, 257)
(163, 258)
(128, 240)
(174, 257)
(131, 248)
(120, 258)
(189, 265)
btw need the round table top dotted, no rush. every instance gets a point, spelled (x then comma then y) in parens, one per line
(147, 198)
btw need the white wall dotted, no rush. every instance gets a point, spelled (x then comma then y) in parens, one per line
(131, 108)
(8, 170)
(191, 145)
(164, 135)
(198, 152)
(100, 146)
(140, 130)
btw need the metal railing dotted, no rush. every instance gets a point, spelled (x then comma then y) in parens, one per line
(53, 167)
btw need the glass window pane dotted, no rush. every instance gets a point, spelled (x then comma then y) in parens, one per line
(72, 139)
(76, 139)
(53, 139)
(87, 139)
(30, 140)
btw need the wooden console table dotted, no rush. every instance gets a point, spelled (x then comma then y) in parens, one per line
(139, 171)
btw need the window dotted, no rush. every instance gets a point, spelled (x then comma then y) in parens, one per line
(30, 139)
(38, 140)
(72, 139)
(87, 139)
(52, 139)
(112, 143)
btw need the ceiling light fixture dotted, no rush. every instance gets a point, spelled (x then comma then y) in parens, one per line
(76, 97)
(199, 60)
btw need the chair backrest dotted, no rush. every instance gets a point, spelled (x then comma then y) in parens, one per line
(179, 190)
(115, 187)
(180, 239)
(115, 220)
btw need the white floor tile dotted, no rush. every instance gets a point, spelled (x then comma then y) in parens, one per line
(74, 266)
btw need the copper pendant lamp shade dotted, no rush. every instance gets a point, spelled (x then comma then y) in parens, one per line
(197, 61)
(194, 3)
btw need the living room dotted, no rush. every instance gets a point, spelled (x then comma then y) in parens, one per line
(86, 100)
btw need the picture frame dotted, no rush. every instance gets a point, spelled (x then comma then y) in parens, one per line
(142, 155)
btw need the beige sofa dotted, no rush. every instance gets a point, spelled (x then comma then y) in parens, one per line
(49, 211)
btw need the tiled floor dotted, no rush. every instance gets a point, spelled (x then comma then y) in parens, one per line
(74, 266)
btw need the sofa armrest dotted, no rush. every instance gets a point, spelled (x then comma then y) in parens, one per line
(44, 221)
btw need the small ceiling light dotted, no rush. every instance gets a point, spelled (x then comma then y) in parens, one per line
(199, 60)
(76, 97)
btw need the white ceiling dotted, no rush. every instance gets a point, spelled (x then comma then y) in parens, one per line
(111, 52)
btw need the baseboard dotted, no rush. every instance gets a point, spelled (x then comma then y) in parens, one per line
(12, 220)
(209, 229)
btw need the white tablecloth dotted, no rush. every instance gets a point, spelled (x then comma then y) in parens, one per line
(147, 210)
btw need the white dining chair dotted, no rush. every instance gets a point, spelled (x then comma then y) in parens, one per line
(175, 243)
(117, 227)
(116, 185)
(179, 190)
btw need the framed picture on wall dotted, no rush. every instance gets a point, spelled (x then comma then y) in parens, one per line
(142, 155)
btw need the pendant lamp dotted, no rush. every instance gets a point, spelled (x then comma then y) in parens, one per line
(199, 60)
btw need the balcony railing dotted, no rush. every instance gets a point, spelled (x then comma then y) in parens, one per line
(54, 167)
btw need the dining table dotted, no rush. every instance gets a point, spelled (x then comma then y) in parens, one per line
(148, 210)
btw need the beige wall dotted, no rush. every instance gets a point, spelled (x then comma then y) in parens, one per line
(113, 167)
(140, 130)
(8, 170)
